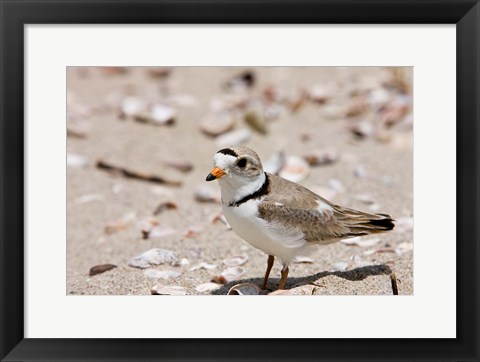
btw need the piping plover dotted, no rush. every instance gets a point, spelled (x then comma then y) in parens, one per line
(280, 217)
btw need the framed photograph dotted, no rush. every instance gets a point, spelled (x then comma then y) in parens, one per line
(239, 181)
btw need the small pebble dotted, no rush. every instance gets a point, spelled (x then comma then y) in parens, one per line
(99, 269)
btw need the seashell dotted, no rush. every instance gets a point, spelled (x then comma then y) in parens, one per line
(234, 138)
(339, 266)
(184, 262)
(167, 205)
(322, 157)
(154, 256)
(161, 114)
(236, 260)
(319, 93)
(254, 117)
(159, 232)
(116, 227)
(76, 160)
(133, 107)
(215, 124)
(162, 274)
(160, 289)
(300, 259)
(241, 82)
(207, 193)
(374, 207)
(296, 169)
(378, 97)
(220, 217)
(99, 269)
(359, 241)
(204, 266)
(151, 229)
(244, 289)
(121, 224)
(361, 129)
(207, 287)
(275, 163)
(232, 272)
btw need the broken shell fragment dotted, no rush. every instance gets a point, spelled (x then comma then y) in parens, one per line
(76, 160)
(322, 157)
(296, 169)
(300, 259)
(154, 256)
(275, 163)
(359, 241)
(133, 107)
(234, 138)
(215, 124)
(236, 260)
(99, 269)
(241, 82)
(167, 205)
(160, 289)
(244, 289)
(207, 287)
(207, 193)
(161, 114)
(319, 93)
(361, 129)
(232, 272)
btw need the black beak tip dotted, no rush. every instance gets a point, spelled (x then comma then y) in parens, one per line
(210, 177)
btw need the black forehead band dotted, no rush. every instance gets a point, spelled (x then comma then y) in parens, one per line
(228, 151)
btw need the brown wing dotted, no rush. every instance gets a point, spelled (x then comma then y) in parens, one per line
(291, 206)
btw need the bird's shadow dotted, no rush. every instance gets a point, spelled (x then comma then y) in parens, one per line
(357, 274)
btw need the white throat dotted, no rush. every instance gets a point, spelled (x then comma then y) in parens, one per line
(234, 189)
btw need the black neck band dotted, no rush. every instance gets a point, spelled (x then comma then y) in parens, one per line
(262, 191)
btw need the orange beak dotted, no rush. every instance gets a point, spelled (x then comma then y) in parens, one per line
(215, 174)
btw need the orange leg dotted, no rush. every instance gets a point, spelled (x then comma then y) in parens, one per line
(283, 280)
(270, 261)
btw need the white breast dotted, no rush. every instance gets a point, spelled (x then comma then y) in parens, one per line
(243, 219)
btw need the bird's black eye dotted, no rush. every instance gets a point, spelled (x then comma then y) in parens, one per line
(242, 162)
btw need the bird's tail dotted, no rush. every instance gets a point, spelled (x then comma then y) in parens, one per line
(362, 223)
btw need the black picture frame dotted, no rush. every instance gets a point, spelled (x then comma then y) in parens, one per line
(15, 14)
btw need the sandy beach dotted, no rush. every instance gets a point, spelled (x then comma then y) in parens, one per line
(359, 117)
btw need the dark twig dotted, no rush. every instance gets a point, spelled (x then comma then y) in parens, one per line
(393, 278)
